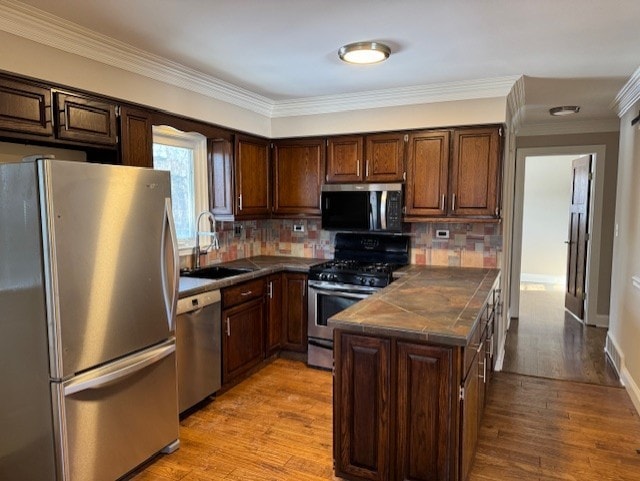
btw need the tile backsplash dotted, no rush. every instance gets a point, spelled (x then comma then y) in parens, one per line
(468, 245)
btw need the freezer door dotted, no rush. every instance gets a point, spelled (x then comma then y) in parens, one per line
(113, 418)
(111, 264)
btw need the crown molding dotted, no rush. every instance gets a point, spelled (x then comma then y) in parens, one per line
(36, 25)
(393, 97)
(628, 95)
(569, 127)
(515, 104)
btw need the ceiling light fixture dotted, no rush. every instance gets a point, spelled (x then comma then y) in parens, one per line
(364, 52)
(564, 110)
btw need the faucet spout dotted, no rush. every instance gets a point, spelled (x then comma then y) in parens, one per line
(214, 244)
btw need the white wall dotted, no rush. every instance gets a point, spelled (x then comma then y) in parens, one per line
(624, 331)
(547, 195)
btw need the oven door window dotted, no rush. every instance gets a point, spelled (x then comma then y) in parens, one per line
(328, 305)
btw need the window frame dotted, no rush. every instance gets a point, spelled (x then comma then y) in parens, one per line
(166, 135)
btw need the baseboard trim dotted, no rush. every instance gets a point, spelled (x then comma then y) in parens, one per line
(500, 359)
(616, 356)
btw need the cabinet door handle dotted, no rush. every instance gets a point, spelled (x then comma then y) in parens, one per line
(358, 168)
(442, 201)
(247, 293)
(366, 173)
(228, 328)
(240, 202)
(270, 289)
(453, 202)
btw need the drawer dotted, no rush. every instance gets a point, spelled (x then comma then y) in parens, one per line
(471, 349)
(244, 292)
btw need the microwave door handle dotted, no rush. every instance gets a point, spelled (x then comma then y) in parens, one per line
(383, 210)
(373, 211)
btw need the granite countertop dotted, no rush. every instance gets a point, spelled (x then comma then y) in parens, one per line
(261, 265)
(436, 304)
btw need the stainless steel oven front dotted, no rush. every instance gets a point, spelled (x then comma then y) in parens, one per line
(326, 299)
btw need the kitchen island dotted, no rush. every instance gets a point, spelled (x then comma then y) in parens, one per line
(412, 366)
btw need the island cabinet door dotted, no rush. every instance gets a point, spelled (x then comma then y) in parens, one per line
(469, 421)
(362, 409)
(423, 426)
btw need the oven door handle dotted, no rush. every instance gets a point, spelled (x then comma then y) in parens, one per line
(320, 343)
(351, 295)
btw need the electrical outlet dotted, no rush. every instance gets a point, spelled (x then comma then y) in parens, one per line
(298, 228)
(442, 234)
(237, 230)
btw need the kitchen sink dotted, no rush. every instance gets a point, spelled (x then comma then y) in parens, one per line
(215, 272)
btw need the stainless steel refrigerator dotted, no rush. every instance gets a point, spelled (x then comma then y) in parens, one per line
(88, 292)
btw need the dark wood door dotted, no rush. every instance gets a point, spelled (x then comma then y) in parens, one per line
(427, 173)
(242, 338)
(220, 157)
(298, 169)
(136, 137)
(384, 155)
(578, 239)
(294, 305)
(362, 386)
(253, 199)
(25, 108)
(424, 413)
(273, 332)
(475, 172)
(85, 119)
(344, 159)
(469, 421)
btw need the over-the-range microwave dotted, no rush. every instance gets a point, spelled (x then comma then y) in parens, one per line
(362, 207)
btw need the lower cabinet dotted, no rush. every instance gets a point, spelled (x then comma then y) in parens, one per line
(393, 409)
(294, 311)
(469, 419)
(243, 317)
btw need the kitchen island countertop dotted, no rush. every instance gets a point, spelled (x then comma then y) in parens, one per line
(435, 304)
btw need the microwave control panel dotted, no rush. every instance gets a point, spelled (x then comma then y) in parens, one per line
(394, 211)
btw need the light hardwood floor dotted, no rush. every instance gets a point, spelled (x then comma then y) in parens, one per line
(276, 426)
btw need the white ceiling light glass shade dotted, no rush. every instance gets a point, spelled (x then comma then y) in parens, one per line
(564, 110)
(364, 52)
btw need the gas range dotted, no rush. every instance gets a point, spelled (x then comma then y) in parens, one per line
(372, 274)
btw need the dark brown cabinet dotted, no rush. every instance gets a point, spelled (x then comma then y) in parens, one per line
(136, 137)
(294, 315)
(401, 431)
(453, 174)
(469, 419)
(475, 166)
(252, 179)
(25, 108)
(273, 331)
(85, 119)
(242, 328)
(427, 173)
(362, 407)
(370, 158)
(220, 160)
(298, 170)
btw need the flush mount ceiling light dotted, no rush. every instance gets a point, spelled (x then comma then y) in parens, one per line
(564, 110)
(364, 52)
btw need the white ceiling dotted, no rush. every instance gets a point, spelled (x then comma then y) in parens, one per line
(571, 51)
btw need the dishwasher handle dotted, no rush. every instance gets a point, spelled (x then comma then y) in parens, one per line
(196, 303)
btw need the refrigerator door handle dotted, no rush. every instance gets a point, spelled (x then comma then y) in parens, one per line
(111, 374)
(171, 272)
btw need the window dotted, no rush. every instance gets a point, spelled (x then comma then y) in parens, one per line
(184, 154)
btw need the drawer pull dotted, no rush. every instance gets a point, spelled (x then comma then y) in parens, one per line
(228, 328)
(247, 293)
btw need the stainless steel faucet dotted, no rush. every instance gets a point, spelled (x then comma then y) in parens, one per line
(213, 234)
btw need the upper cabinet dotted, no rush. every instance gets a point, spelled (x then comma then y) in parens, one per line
(475, 172)
(453, 174)
(370, 158)
(136, 137)
(221, 196)
(85, 119)
(298, 170)
(252, 180)
(25, 108)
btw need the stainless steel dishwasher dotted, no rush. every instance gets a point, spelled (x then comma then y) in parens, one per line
(198, 348)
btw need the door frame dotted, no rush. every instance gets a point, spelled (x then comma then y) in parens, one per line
(591, 317)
